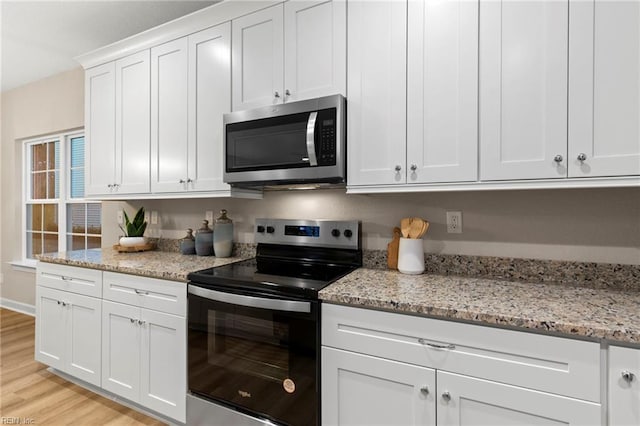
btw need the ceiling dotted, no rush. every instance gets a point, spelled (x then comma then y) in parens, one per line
(41, 38)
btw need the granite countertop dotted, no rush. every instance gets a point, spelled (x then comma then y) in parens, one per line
(154, 264)
(583, 312)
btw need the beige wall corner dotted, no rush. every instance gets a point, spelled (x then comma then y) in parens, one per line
(50, 105)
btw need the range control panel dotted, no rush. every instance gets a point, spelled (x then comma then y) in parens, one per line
(318, 233)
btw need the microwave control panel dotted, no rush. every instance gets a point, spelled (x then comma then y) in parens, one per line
(327, 152)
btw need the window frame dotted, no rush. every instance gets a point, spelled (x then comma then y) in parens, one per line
(64, 191)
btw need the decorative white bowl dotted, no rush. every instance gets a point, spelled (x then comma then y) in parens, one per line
(132, 241)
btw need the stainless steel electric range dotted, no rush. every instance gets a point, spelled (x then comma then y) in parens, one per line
(254, 326)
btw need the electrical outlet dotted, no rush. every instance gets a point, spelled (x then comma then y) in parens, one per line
(209, 216)
(154, 217)
(454, 222)
(120, 217)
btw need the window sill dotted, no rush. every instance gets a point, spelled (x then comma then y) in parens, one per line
(27, 265)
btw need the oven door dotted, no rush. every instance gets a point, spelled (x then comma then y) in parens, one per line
(257, 354)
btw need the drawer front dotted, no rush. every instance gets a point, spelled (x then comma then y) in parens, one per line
(151, 293)
(551, 364)
(70, 278)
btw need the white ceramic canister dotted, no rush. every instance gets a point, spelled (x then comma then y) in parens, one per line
(411, 256)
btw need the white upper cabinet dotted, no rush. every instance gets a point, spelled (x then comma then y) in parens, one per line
(442, 91)
(604, 88)
(117, 126)
(169, 103)
(377, 92)
(209, 100)
(132, 124)
(315, 48)
(258, 58)
(287, 52)
(523, 89)
(100, 140)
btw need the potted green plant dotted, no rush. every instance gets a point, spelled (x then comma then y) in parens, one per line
(133, 230)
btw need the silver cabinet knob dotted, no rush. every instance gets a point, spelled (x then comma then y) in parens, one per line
(181, 181)
(424, 390)
(446, 396)
(276, 95)
(628, 376)
(189, 180)
(398, 168)
(582, 156)
(132, 320)
(140, 322)
(287, 92)
(414, 167)
(558, 158)
(109, 185)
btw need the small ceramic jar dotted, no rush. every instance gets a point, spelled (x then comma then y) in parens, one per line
(223, 235)
(188, 243)
(204, 240)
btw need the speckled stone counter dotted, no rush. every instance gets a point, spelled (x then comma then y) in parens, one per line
(155, 264)
(556, 309)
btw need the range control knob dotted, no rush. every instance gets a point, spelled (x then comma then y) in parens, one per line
(270, 230)
(348, 233)
(335, 232)
(260, 229)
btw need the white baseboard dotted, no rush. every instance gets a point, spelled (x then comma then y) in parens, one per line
(23, 308)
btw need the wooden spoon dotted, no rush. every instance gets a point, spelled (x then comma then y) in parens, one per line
(416, 227)
(392, 249)
(405, 226)
(425, 227)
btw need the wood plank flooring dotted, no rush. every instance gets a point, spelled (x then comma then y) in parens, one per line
(29, 394)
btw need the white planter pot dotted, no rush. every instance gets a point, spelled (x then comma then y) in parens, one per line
(132, 241)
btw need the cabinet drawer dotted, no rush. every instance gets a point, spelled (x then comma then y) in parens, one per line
(70, 278)
(551, 364)
(151, 293)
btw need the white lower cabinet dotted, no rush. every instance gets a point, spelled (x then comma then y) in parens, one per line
(624, 386)
(391, 369)
(68, 333)
(144, 357)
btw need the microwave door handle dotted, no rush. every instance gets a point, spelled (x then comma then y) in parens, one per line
(311, 139)
(251, 301)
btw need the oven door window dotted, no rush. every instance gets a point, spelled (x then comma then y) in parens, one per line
(260, 360)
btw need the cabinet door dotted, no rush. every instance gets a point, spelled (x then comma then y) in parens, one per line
(376, 82)
(99, 116)
(121, 349)
(604, 88)
(83, 353)
(169, 116)
(315, 48)
(442, 94)
(163, 385)
(624, 392)
(464, 400)
(363, 390)
(132, 124)
(523, 89)
(209, 99)
(51, 327)
(257, 59)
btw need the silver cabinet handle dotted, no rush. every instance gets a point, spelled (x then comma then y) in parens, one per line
(446, 396)
(436, 346)
(132, 320)
(250, 301)
(116, 185)
(424, 390)
(414, 167)
(141, 292)
(558, 158)
(189, 180)
(398, 168)
(276, 94)
(63, 278)
(628, 376)
(582, 156)
(287, 92)
(59, 302)
(109, 185)
(140, 322)
(311, 139)
(181, 181)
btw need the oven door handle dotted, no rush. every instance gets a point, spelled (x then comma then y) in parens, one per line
(311, 139)
(250, 301)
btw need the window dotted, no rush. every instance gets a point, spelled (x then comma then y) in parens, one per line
(57, 218)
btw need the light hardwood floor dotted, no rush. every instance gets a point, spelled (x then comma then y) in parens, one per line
(30, 394)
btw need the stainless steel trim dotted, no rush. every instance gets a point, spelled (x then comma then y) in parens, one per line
(200, 412)
(250, 301)
(311, 138)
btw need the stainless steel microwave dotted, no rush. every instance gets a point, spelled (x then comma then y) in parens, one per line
(294, 143)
